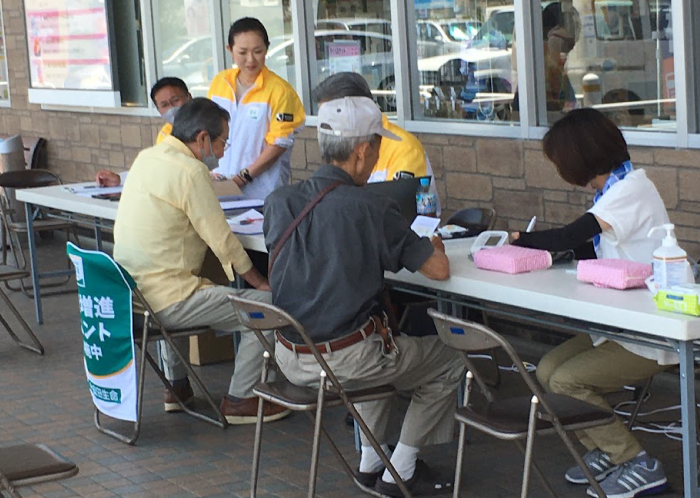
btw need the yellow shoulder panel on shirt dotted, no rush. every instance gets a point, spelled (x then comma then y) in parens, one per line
(165, 131)
(407, 155)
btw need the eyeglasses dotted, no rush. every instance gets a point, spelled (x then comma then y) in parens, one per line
(227, 144)
(175, 101)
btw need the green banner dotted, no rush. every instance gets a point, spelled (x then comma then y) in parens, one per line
(105, 300)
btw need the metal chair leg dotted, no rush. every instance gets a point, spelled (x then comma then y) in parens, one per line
(638, 404)
(534, 402)
(258, 432)
(37, 347)
(317, 435)
(462, 437)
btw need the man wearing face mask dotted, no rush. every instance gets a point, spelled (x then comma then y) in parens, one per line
(168, 215)
(168, 95)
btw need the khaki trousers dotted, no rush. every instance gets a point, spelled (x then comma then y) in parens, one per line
(212, 308)
(587, 373)
(425, 365)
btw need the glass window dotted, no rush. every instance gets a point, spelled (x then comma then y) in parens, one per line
(183, 42)
(4, 81)
(466, 60)
(614, 55)
(355, 36)
(276, 15)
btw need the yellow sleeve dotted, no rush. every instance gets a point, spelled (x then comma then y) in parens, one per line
(288, 117)
(204, 211)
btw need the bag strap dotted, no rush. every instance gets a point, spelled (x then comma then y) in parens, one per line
(290, 229)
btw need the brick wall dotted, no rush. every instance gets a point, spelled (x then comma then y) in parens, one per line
(510, 175)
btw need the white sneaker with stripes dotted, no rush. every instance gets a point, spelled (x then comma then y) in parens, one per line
(641, 475)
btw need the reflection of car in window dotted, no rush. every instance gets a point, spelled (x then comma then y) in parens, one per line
(381, 26)
(191, 60)
(367, 53)
(439, 37)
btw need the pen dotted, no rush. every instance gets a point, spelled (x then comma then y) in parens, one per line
(531, 225)
(250, 221)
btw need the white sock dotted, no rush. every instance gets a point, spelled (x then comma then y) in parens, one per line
(370, 461)
(404, 461)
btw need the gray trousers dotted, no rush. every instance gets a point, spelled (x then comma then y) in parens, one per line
(425, 366)
(211, 307)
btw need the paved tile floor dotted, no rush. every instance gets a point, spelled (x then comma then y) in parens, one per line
(45, 399)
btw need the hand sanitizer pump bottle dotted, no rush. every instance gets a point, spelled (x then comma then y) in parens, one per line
(670, 261)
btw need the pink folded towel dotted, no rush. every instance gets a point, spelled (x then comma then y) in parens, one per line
(613, 273)
(512, 259)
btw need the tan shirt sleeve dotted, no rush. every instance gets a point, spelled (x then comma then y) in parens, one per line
(204, 211)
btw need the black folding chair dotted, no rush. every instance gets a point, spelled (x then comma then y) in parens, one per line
(515, 418)
(262, 316)
(30, 464)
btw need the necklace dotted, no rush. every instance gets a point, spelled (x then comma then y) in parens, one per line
(244, 86)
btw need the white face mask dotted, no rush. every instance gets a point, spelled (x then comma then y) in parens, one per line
(211, 161)
(169, 115)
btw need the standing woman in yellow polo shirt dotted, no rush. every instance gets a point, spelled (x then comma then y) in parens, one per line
(266, 113)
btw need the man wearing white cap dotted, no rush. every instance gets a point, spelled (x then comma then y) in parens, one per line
(329, 274)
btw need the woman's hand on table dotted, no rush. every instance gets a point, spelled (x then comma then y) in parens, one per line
(216, 177)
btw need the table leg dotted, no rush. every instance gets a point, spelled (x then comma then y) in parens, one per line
(32, 262)
(689, 430)
(98, 234)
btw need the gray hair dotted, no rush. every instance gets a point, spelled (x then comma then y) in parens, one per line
(338, 149)
(199, 114)
(340, 85)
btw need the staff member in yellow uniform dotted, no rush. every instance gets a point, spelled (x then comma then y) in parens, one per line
(266, 113)
(168, 95)
(397, 159)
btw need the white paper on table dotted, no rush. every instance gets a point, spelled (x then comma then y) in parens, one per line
(425, 226)
(249, 223)
(242, 204)
(92, 190)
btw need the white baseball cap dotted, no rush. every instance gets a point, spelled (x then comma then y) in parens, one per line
(352, 117)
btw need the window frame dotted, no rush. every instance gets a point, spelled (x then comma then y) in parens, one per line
(5, 103)
(687, 72)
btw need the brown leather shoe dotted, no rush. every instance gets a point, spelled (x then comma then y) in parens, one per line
(246, 411)
(185, 394)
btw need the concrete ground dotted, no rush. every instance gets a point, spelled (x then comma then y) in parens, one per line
(46, 400)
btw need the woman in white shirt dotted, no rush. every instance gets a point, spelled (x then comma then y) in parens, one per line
(588, 149)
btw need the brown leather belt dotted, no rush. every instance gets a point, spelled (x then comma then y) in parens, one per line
(335, 345)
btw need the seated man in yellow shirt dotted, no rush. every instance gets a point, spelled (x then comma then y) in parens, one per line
(168, 94)
(404, 159)
(168, 216)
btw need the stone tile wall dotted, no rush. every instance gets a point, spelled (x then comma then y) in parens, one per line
(510, 175)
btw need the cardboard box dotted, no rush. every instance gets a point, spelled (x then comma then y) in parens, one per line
(209, 348)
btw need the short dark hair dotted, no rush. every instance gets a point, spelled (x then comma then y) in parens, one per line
(199, 114)
(168, 81)
(584, 144)
(341, 85)
(246, 25)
